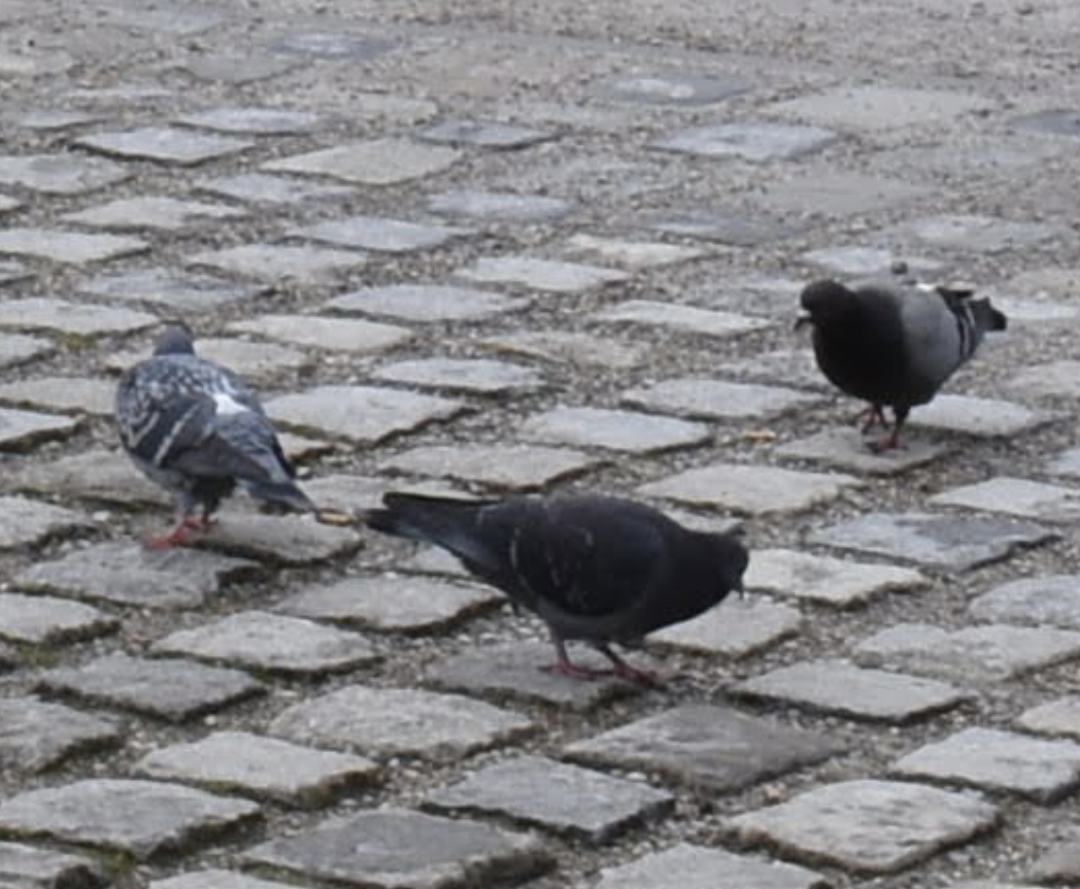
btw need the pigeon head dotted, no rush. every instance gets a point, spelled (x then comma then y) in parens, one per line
(823, 301)
(986, 316)
(174, 339)
(731, 559)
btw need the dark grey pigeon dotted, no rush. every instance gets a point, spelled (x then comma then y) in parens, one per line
(194, 428)
(596, 569)
(894, 345)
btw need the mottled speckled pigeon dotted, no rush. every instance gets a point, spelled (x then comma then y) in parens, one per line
(594, 568)
(194, 428)
(894, 345)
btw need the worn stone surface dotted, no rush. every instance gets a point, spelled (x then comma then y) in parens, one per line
(706, 746)
(686, 319)
(616, 430)
(261, 121)
(171, 689)
(880, 107)
(801, 575)
(955, 542)
(214, 878)
(1060, 716)
(1059, 864)
(426, 302)
(991, 759)
(188, 292)
(517, 671)
(36, 735)
(25, 522)
(260, 767)
(986, 654)
(562, 347)
(59, 174)
(77, 319)
(749, 490)
(349, 335)
(540, 274)
(30, 867)
(734, 628)
(165, 214)
(19, 428)
(1015, 496)
(869, 262)
(130, 574)
(752, 141)
(489, 206)
(397, 848)
(983, 417)
(1032, 601)
(562, 798)
(519, 467)
(631, 254)
(165, 145)
(17, 348)
(44, 620)
(286, 539)
(483, 134)
(395, 722)
(140, 818)
(273, 262)
(701, 867)
(847, 449)
(376, 162)
(262, 188)
(983, 234)
(716, 399)
(383, 235)
(481, 376)
(736, 228)
(392, 603)
(875, 827)
(837, 686)
(74, 394)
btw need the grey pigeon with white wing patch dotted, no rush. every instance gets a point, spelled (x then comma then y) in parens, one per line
(194, 428)
(894, 345)
(597, 569)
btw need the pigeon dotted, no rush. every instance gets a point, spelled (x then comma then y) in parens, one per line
(193, 427)
(894, 345)
(594, 568)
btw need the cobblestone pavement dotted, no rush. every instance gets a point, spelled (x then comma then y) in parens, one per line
(516, 247)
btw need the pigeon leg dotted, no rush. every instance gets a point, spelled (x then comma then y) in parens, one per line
(177, 535)
(891, 442)
(565, 667)
(624, 671)
(872, 416)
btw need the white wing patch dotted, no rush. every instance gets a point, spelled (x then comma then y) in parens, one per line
(227, 405)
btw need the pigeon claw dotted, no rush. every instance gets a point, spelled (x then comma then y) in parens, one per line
(179, 533)
(573, 671)
(873, 415)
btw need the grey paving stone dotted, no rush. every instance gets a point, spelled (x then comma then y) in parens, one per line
(162, 213)
(670, 88)
(394, 848)
(76, 319)
(141, 818)
(564, 347)
(516, 671)
(838, 686)
(875, 827)
(60, 174)
(72, 248)
(129, 574)
(1056, 121)
(260, 767)
(483, 134)
(991, 759)
(1066, 463)
(479, 376)
(49, 119)
(365, 414)
(756, 142)
(881, 107)
(1047, 282)
(512, 466)
(791, 367)
(802, 575)
(1060, 716)
(685, 319)
(214, 878)
(632, 254)
(8, 204)
(254, 120)
(987, 653)
(563, 798)
(699, 867)
(716, 399)
(255, 360)
(427, 302)
(20, 428)
(30, 867)
(1033, 601)
(172, 689)
(35, 735)
(982, 234)
(491, 206)
(838, 193)
(325, 332)
(549, 275)
(332, 45)
(273, 262)
(737, 228)
(282, 539)
(93, 474)
(846, 448)
(166, 145)
(1058, 864)
(45, 620)
(25, 522)
(1052, 379)
(615, 430)
(386, 722)
(748, 489)
(735, 628)
(1015, 496)
(952, 542)
(262, 188)
(271, 642)
(869, 262)
(182, 291)
(64, 394)
(11, 271)
(386, 161)
(705, 746)
(380, 234)
(346, 492)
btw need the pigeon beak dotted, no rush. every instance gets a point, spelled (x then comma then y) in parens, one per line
(802, 321)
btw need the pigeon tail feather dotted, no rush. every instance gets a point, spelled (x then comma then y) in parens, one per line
(442, 521)
(285, 493)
